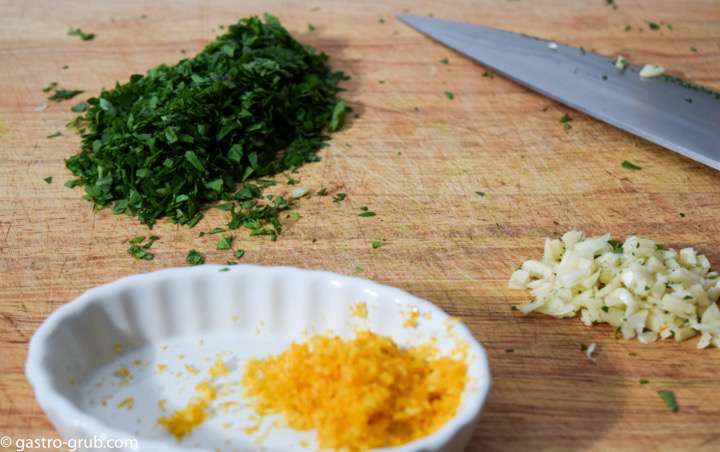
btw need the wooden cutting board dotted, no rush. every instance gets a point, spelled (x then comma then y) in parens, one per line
(417, 159)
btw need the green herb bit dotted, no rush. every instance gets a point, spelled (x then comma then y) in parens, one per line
(339, 197)
(194, 258)
(151, 240)
(322, 192)
(311, 27)
(565, 121)
(381, 20)
(693, 49)
(630, 166)
(137, 239)
(79, 107)
(376, 244)
(480, 194)
(139, 253)
(359, 269)
(669, 398)
(616, 246)
(224, 242)
(444, 61)
(365, 212)
(48, 180)
(81, 34)
(605, 309)
(509, 350)
(294, 216)
(239, 253)
(612, 4)
(644, 381)
(449, 95)
(653, 25)
(64, 94)
(488, 74)
(53, 135)
(628, 27)
(224, 269)
(682, 215)
(292, 181)
(382, 82)
(50, 86)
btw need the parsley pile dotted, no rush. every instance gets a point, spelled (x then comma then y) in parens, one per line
(169, 143)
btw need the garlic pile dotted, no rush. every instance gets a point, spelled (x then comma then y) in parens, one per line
(639, 287)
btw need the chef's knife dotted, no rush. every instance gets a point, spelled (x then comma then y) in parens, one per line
(674, 114)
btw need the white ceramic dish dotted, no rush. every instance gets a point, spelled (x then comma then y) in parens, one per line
(188, 316)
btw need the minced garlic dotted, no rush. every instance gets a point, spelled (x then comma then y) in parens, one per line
(359, 394)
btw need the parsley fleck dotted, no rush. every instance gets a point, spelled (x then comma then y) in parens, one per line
(239, 253)
(139, 253)
(194, 258)
(322, 192)
(509, 350)
(381, 20)
(480, 194)
(514, 308)
(693, 49)
(151, 240)
(64, 94)
(311, 27)
(376, 244)
(653, 25)
(224, 269)
(628, 27)
(53, 135)
(449, 95)
(49, 87)
(616, 246)
(605, 309)
(365, 212)
(48, 180)
(669, 398)
(565, 121)
(445, 61)
(644, 381)
(79, 107)
(631, 166)
(224, 242)
(292, 181)
(488, 74)
(81, 34)
(339, 197)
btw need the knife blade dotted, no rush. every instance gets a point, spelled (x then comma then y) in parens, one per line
(679, 116)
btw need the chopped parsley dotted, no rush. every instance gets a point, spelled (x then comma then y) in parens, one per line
(172, 142)
(565, 121)
(81, 34)
(311, 27)
(653, 25)
(616, 246)
(64, 94)
(138, 250)
(376, 244)
(339, 197)
(49, 87)
(239, 253)
(480, 194)
(194, 258)
(631, 166)
(605, 309)
(509, 350)
(48, 180)
(445, 61)
(644, 381)
(669, 398)
(224, 242)
(79, 107)
(488, 74)
(224, 269)
(366, 212)
(322, 192)
(53, 135)
(628, 27)
(449, 95)
(693, 49)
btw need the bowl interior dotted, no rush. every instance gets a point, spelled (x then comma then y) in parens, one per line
(125, 354)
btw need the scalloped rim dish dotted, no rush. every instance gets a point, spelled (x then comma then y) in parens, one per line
(143, 309)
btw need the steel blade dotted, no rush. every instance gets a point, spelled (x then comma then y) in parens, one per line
(667, 111)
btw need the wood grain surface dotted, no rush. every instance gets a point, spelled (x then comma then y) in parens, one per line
(417, 159)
